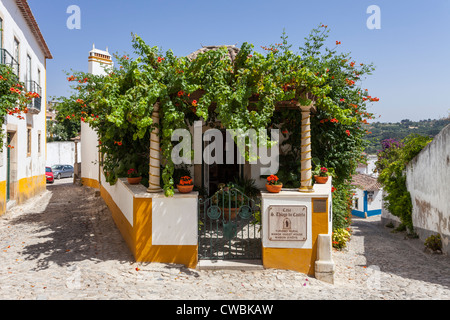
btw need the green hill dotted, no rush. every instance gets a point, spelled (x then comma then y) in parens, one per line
(381, 131)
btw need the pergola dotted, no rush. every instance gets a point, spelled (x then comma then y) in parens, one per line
(306, 183)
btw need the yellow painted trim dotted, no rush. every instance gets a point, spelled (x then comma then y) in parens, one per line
(300, 260)
(92, 183)
(139, 236)
(99, 59)
(2, 197)
(121, 222)
(30, 187)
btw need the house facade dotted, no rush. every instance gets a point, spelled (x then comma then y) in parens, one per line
(368, 197)
(23, 48)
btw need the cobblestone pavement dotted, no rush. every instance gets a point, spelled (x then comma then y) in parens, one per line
(64, 245)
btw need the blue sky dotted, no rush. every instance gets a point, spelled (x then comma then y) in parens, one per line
(410, 51)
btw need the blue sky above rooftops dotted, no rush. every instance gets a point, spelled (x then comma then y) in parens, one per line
(410, 51)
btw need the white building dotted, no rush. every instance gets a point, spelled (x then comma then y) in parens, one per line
(369, 167)
(99, 61)
(22, 46)
(368, 197)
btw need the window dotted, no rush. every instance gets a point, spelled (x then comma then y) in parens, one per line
(28, 74)
(356, 203)
(39, 143)
(16, 54)
(28, 142)
(1, 34)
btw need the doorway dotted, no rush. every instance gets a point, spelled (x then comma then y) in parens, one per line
(224, 173)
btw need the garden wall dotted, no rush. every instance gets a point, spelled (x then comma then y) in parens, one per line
(427, 180)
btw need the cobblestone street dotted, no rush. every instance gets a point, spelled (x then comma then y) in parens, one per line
(64, 245)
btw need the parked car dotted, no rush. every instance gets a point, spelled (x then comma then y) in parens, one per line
(62, 171)
(49, 175)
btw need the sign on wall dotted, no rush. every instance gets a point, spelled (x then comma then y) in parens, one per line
(287, 223)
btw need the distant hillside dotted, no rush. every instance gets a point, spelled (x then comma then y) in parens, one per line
(381, 131)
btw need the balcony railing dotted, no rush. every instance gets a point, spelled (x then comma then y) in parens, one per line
(8, 59)
(35, 104)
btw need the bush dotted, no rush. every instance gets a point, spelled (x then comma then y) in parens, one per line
(339, 238)
(391, 166)
(434, 243)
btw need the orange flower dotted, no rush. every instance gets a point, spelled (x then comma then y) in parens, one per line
(194, 103)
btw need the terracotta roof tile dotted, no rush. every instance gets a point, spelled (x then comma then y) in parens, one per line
(366, 182)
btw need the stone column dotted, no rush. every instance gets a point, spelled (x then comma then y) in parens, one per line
(306, 184)
(155, 155)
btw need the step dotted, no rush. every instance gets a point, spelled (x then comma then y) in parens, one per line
(243, 265)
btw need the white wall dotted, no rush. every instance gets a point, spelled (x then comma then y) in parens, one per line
(89, 153)
(376, 203)
(62, 152)
(14, 25)
(427, 180)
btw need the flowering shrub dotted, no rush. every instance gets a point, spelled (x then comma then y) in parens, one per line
(244, 92)
(185, 181)
(14, 98)
(273, 180)
(339, 238)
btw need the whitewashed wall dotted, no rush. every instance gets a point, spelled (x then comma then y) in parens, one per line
(14, 25)
(427, 177)
(89, 153)
(62, 152)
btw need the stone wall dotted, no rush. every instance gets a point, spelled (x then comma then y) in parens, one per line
(428, 175)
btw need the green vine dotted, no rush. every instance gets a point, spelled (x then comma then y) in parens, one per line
(243, 94)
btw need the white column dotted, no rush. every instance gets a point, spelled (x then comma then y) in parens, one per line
(155, 155)
(306, 184)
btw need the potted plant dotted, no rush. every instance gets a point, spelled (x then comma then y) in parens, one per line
(228, 200)
(186, 185)
(273, 184)
(321, 174)
(134, 177)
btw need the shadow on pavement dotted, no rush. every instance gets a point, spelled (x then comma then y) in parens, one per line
(398, 254)
(75, 225)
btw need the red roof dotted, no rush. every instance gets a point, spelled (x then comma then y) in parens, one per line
(31, 21)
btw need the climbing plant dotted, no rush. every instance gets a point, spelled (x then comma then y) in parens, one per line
(242, 94)
(338, 132)
(391, 166)
(14, 98)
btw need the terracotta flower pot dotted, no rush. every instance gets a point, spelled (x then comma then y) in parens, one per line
(274, 188)
(230, 213)
(135, 180)
(321, 180)
(185, 189)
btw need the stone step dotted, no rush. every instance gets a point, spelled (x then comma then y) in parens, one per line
(243, 265)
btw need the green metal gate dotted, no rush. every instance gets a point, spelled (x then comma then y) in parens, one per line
(229, 226)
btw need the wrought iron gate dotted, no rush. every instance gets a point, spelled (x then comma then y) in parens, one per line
(229, 226)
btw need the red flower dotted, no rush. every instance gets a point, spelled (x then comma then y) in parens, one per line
(333, 189)
(194, 103)
(347, 132)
